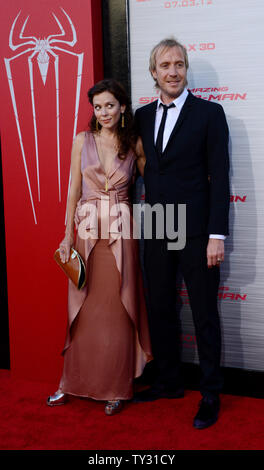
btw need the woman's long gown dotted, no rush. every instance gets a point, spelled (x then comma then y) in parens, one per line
(107, 342)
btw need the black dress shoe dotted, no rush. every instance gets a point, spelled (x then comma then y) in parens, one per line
(153, 393)
(207, 414)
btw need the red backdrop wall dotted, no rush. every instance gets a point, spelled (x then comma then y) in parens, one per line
(35, 212)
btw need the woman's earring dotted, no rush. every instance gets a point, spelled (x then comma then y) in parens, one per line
(123, 120)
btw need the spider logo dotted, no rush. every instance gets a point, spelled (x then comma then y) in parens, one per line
(42, 49)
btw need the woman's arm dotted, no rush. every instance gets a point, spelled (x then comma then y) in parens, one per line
(74, 196)
(141, 158)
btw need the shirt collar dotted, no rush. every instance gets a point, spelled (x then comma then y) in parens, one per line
(179, 102)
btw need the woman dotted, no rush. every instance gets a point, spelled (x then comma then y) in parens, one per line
(107, 342)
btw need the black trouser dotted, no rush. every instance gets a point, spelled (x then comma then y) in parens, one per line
(202, 285)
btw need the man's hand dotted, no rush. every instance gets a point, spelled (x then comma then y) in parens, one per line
(215, 252)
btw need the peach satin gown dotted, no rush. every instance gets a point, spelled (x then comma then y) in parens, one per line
(107, 342)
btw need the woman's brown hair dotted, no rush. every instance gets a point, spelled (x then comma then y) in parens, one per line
(126, 135)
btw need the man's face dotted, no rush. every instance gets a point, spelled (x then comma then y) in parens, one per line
(170, 73)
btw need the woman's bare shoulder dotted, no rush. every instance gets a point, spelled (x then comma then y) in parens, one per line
(80, 137)
(78, 141)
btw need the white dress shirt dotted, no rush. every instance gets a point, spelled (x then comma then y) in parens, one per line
(172, 116)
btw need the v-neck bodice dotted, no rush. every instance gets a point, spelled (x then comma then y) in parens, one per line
(94, 176)
(107, 173)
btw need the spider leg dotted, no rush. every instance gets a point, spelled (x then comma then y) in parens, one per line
(78, 89)
(78, 83)
(34, 115)
(56, 65)
(62, 33)
(13, 98)
(74, 36)
(11, 44)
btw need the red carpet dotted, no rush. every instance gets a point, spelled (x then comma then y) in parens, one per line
(26, 422)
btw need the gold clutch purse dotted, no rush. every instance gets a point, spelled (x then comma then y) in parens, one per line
(74, 268)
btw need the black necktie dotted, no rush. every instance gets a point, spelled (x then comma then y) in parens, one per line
(159, 141)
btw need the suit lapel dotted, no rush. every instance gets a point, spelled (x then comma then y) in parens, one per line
(151, 116)
(149, 122)
(183, 114)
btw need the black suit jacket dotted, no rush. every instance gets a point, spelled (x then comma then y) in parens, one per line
(193, 169)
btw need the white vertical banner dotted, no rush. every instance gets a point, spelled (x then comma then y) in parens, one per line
(224, 40)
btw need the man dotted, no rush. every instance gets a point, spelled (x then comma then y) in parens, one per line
(185, 142)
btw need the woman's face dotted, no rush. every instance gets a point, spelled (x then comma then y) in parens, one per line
(107, 110)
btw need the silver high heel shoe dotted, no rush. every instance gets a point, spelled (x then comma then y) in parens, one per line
(113, 406)
(59, 398)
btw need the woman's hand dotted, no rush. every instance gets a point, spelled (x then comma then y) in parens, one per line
(65, 247)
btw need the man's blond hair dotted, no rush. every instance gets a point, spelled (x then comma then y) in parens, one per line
(162, 46)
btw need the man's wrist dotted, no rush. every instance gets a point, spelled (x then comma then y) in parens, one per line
(218, 237)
